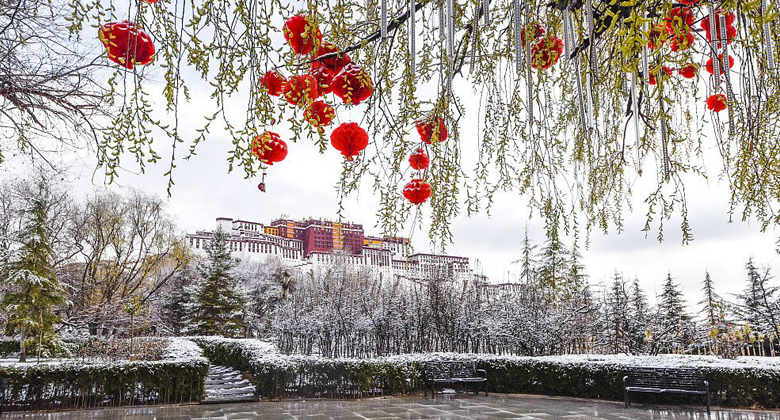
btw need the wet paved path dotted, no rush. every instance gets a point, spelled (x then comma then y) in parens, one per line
(460, 407)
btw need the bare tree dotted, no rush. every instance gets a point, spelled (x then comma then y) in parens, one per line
(49, 94)
(128, 249)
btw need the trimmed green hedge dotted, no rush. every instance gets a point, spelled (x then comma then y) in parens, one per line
(277, 375)
(70, 385)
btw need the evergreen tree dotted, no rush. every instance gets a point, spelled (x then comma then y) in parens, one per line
(617, 307)
(758, 306)
(638, 317)
(178, 301)
(218, 306)
(710, 301)
(673, 329)
(553, 272)
(713, 311)
(528, 269)
(32, 289)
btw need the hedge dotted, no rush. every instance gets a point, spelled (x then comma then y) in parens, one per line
(69, 384)
(749, 382)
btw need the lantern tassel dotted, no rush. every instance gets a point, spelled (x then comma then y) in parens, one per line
(450, 24)
(412, 36)
(594, 67)
(567, 38)
(529, 79)
(714, 43)
(635, 109)
(518, 42)
(580, 95)
(645, 63)
(383, 19)
(726, 73)
(664, 134)
(770, 55)
(474, 38)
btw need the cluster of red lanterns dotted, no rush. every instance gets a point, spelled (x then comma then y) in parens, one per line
(545, 50)
(330, 71)
(432, 131)
(678, 28)
(126, 44)
(334, 73)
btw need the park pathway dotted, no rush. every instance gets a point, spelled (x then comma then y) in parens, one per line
(445, 407)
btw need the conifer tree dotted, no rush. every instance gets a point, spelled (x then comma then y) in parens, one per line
(758, 306)
(617, 307)
(638, 317)
(218, 306)
(32, 288)
(673, 322)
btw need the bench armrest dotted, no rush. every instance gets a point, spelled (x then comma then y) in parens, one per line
(482, 373)
(625, 378)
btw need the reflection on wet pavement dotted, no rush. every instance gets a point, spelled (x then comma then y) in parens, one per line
(458, 407)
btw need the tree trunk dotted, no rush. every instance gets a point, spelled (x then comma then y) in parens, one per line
(22, 349)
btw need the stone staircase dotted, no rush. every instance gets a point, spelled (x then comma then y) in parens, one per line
(227, 385)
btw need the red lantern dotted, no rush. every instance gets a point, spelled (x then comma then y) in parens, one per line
(269, 148)
(679, 20)
(538, 32)
(546, 52)
(731, 31)
(665, 72)
(349, 139)
(417, 191)
(717, 103)
(430, 134)
(656, 36)
(126, 44)
(353, 85)
(334, 64)
(273, 82)
(301, 89)
(682, 41)
(419, 160)
(319, 114)
(300, 33)
(150, 1)
(709, 66)
(324, 78)
(689, 70)
(689, 2)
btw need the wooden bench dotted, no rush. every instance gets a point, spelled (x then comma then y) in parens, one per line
(666, 380)
(453, 372)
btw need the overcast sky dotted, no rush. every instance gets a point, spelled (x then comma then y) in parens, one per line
(303, 186)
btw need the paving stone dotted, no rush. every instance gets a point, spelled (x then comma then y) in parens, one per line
(450, 407)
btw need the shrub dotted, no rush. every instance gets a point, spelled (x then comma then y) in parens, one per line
(746, 382)
(180, 377)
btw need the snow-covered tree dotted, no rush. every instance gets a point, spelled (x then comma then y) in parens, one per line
(31, 290)
(673, 329)
(758, 307)
(218, 308)
(616, 311)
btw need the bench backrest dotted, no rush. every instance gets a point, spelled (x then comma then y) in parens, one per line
(451, 369)
(666, 378)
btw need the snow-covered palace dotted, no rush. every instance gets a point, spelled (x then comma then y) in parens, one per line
(321, 243)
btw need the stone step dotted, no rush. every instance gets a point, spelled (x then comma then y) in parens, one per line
(225, 381)
(231, 391)
(227, 385)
